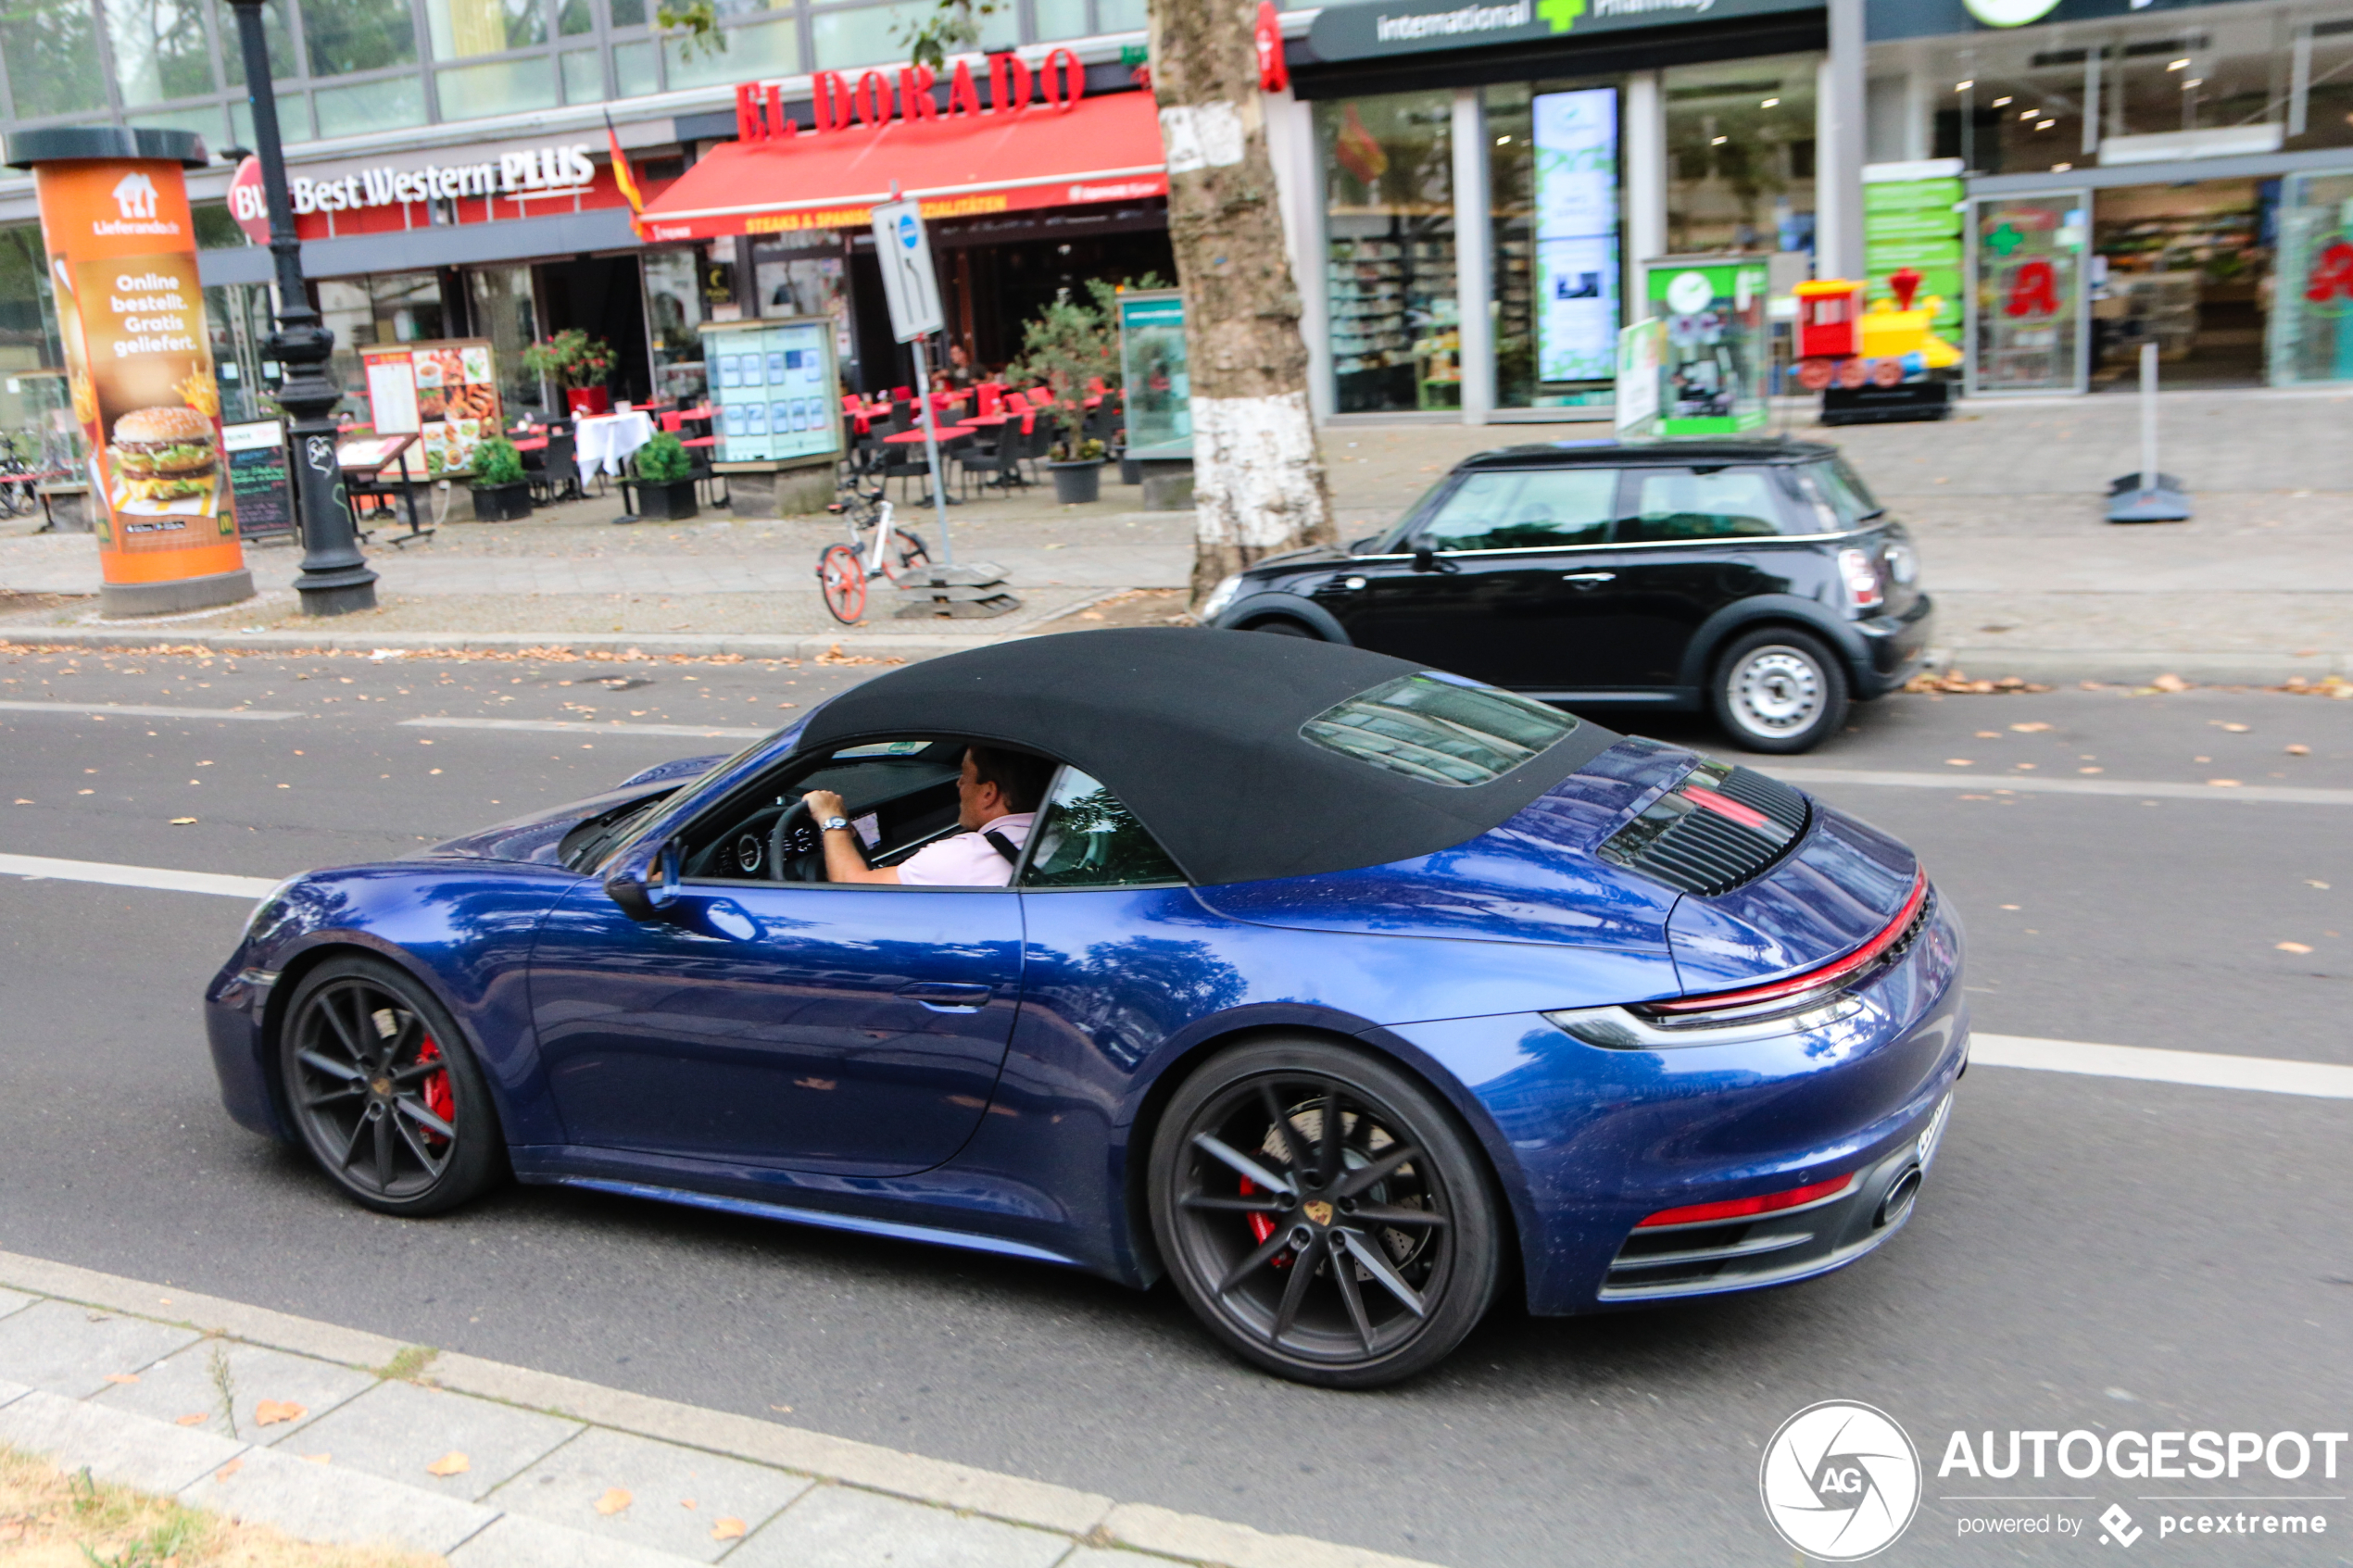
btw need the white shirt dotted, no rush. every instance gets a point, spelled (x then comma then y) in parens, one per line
(968, 859)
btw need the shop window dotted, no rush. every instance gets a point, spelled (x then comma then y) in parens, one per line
(464, 28)
(354, 35)
(371, 106)
(275, 35)
(2328, 105)
(238, 318)
(635, 69)
(1740, 154)
(1395, 319)
(2310, 330)
(770, 49)
(28, 313)
(51, 50)
(293, 119)
(380, 307)
(497, 87)
(674, 316)
(804, 275)
(584, 76)
(2029, 294)
(501, 309)
(160, 50)
(1554, 183)
(215, 229)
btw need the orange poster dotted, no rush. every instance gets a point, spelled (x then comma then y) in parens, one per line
(122, 259)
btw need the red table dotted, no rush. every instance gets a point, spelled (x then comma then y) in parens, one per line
(537, 444)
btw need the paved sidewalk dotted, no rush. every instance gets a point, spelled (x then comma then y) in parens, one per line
(2005, 499)
(332, 1435)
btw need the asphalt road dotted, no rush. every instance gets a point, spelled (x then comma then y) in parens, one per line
(2090, 1252)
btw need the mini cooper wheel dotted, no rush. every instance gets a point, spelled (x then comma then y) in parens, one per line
(1323, 1213)
(1780, 691)
(386, 1094)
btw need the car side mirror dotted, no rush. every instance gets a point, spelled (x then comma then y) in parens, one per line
(645, 886)
(1428, 559)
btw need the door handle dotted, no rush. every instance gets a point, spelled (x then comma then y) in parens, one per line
(942, 995)
(1588, 579)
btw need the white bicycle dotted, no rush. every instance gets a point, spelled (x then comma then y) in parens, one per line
(844, 570)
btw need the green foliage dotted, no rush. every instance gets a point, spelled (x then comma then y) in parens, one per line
(570, 359)
(498, 462)
(950, 27)
(695, 22)
(1070, 346)
(664, 460)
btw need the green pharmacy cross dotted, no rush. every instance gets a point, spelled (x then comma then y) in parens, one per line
(2003, 240)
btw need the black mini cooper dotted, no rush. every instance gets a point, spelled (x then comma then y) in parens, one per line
(1759, 578)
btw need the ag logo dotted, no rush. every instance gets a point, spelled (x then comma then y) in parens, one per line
(1840, 1481)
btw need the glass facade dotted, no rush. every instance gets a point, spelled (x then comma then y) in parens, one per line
(2027, 293)
(1555, 195)
(1389, 236)
(1740, 154)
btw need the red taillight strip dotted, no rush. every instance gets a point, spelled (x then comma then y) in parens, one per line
(1741, 1208)
(1812, 980)
(1725, 806)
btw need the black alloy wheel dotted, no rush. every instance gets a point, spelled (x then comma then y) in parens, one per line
(1324, 1213)
(387, 1096)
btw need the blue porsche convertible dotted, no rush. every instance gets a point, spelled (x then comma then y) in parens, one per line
(1339, 990)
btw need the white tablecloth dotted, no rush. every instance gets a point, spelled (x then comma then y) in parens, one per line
(605, 441)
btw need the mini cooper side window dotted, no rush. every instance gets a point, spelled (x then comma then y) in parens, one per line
(1725, 503)
(1088, 839)
(1440, 729)
(1529, 508)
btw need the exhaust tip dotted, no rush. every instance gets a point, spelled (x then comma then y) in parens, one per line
(1898, 1201)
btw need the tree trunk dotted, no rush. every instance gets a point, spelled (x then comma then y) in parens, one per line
(1258, 480)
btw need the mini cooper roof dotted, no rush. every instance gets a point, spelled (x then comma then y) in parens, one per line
(1197, 733)
(1619, 454)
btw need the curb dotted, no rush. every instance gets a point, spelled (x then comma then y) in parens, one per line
(2138, 667)
(306, 1493)
(613, 645)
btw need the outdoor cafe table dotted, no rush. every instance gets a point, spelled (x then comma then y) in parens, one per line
(607, 441)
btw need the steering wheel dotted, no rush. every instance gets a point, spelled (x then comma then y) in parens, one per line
(807, 867)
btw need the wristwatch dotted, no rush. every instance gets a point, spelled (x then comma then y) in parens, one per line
(834, 824)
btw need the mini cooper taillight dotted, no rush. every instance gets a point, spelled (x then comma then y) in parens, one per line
(1859, 574)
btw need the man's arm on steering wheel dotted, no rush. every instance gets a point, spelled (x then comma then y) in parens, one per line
(845, 859)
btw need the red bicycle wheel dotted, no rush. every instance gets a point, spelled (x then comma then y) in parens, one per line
(905, 553)
(843, 581)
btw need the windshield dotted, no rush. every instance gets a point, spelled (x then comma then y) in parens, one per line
(1437, 728)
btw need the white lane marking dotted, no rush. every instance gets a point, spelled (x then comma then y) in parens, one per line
(141, 710)
(42, 866)
(2207, 1070)
(2027, 783)
(582, 727)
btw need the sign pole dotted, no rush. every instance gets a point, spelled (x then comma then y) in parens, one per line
(931, 450)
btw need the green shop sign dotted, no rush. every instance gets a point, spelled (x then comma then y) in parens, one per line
(1369, 28)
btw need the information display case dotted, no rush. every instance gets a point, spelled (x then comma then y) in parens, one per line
(1716, 349)
(777, 390)
(1155, 374)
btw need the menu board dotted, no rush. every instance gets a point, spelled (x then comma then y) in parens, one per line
(445, 392)
(775, 389)
(260, 477)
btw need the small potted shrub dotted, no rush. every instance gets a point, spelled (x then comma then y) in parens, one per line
(664, 489)
(501, 492)
(578, 363)
(1077, 470)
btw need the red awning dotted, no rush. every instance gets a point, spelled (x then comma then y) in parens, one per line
(1097, 150)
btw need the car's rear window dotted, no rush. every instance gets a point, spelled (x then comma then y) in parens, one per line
(1440, 729)
(1848, 497)
(1703, 502)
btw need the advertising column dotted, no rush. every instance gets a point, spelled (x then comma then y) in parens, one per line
(122, 261)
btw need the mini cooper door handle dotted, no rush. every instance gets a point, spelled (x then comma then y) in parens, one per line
(942, 995)
(1587, 579)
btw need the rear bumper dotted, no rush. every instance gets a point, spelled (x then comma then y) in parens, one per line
(1589, 1142)
(1891, 648)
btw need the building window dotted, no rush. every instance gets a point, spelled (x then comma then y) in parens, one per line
(673, 319)
(1740, 154)
(1554, 192)
(465, 28)
(583, 74)
(354, 35)
(51, 47)
(371, 106)
(768, 49)
(274, 33)
(380, 307)
(497, 87)
(635, 69)
(1388, 271)
(161, 50)
(502, 309)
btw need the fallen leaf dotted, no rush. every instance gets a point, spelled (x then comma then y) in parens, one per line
(451, 1464)
(2091, 769)
(2234, 729)
(183, 821)
(270, 1413)
(316, 1458)
(2309, 883)
(122, 1378)
(2300, 750)
(2036, 728)
(727, 1529)
(2223, 784)
(228, 1470)
(2169, 681)
(196, 1419)
(686, 1502)
(787, 1409)
(1989, 734)
(2292, 947)
(614, 1501)
(1959, 763)
(2009, 905)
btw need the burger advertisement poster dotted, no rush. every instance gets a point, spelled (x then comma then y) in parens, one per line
(139, 364)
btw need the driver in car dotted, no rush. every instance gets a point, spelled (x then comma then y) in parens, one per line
(996, 796)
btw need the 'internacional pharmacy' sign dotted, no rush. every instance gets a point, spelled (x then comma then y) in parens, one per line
(1366, 29)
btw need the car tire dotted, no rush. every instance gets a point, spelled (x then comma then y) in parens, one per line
(1779, 690)
(1282, 626)
(383, 1091)
(1306, 1280)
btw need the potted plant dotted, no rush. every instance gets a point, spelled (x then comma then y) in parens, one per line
(1069, 347)
(578, 363)
(501, 492)
(664, 489)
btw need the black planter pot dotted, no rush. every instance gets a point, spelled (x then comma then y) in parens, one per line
(662, 500)
(502, 503)
(1077, 484)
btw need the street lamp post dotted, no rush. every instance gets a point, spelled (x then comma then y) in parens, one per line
(335, 579)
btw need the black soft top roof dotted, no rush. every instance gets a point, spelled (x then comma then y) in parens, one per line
(1197, 731)
(1644, 453)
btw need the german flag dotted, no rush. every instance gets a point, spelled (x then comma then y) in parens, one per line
(623, 177)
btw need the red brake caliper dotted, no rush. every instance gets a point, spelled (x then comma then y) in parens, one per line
(438, 1099)
(1262, 1226)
